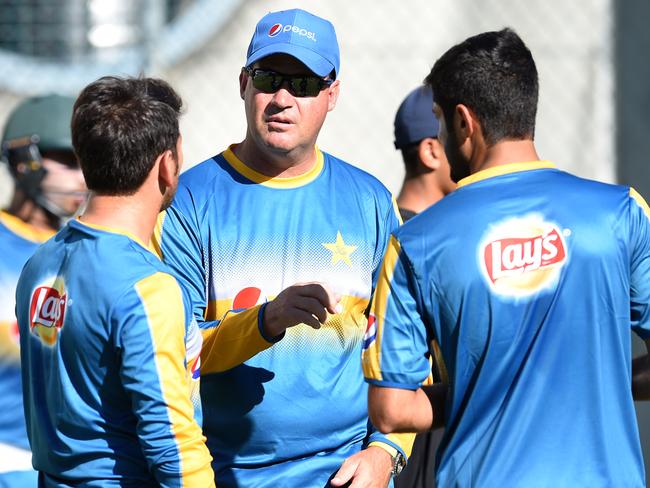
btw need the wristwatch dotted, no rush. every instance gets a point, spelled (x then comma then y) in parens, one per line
(398, 461)
(398, 464)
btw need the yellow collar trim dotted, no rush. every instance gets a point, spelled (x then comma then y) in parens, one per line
(23, 229)
(113, 230)
(504, 169)
(274, 182)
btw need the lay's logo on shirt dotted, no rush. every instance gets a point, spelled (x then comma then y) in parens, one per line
(522, 256)
(47, 311)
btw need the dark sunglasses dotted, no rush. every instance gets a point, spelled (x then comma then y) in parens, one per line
(268, 81)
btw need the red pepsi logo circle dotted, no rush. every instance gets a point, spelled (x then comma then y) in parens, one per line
(247, 298)
(275, 30)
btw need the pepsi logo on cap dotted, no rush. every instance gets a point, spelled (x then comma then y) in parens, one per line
(275, 30)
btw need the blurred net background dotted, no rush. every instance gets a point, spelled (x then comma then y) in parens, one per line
(591, 55)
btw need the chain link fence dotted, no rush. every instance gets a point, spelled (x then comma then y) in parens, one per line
(387, 48)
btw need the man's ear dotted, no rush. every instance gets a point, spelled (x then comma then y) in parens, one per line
(243, 81)
(429, 153)
(333, 95)
(465, 122)
(167, 170)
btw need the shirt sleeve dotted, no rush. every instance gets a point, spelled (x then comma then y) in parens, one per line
(391, 223)
(401, 442)
(150, 325)
(235, 336)
(395, 352)
(640, 264)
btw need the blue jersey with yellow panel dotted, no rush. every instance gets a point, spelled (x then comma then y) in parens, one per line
(531, 279)
(18, 241)
(110, 359)
(285, 413)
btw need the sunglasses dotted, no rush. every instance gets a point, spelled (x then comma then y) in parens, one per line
(268, 81)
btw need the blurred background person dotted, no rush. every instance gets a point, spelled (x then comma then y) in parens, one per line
(49, 188)
(426, 180)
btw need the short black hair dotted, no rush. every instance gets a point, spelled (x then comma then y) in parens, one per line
(119, 127)
(494, 75)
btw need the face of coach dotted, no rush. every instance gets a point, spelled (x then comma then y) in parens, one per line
(288, 86)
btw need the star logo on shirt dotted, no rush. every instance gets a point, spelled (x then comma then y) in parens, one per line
(340, 250)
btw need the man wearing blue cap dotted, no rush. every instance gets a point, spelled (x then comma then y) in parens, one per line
(426, 181)
(278, 244)
(427, 177)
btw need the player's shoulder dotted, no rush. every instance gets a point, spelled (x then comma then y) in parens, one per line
(201, 184)
(601, 197)
(198, 177)
(581, 184)
(355, 176)
(120, 257)
(147, 278)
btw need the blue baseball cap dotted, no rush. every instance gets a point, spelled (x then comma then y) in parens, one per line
(306, 37)
(415, 120)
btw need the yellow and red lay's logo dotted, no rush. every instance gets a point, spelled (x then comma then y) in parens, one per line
(47, 311)
(523, 256)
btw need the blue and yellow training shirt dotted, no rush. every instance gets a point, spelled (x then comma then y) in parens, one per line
(109, 363)
(531, 280)
(285, 413)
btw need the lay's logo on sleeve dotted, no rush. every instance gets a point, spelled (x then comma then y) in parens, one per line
(523, 256)
(47, 312)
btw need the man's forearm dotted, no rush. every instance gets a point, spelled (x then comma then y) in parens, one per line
(394, 410)
(231, 341)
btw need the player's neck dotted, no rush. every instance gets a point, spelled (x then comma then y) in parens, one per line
(419, 193)
(131, 214)
(276, 163)
(505, 152)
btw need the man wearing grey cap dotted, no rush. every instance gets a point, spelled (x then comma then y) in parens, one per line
(427, 177)
(278, 243)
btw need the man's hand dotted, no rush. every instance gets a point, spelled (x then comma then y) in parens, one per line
(370, 468)
(306, 303)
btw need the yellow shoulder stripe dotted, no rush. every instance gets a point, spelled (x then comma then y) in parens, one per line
(641, 201)
(23, 229)
(163, 303)
(372, 356)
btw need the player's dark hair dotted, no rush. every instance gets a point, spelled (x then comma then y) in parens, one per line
(494, 75)
(119, 127)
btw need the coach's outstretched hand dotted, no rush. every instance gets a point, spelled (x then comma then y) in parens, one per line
(303, 303)
(370, 468)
